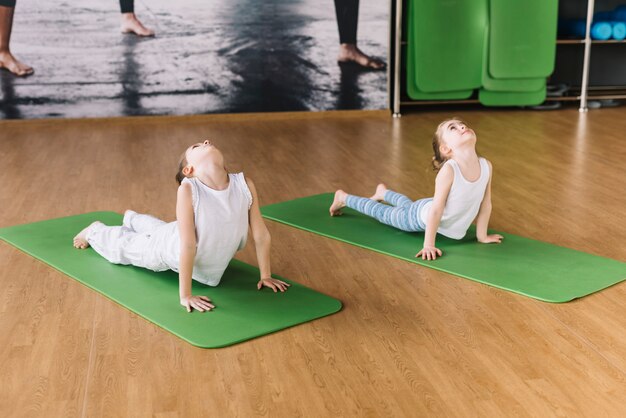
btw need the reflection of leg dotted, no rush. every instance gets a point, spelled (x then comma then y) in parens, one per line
(398, 217)
(347, 12)
(9, 105)
(141, 223)
(130, 23)
(7, 60)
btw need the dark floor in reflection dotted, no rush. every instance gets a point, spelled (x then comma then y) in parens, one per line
(209, 56)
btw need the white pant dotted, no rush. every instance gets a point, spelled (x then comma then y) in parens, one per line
(132, 243)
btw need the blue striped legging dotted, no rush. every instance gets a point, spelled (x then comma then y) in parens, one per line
(403, 213)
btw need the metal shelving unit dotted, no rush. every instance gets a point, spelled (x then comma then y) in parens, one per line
(584, 85)
(394, 69)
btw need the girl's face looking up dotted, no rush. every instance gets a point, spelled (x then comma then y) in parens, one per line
(456, 134)
(204, 154)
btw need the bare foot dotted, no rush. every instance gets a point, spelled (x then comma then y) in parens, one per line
(127, 215)
(80, 240)
(379, 195)
(338, 203)
(10, 63)
(130, 24)
(350, 53)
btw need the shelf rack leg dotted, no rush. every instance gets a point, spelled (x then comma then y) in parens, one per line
(397, 59)
(585, 80)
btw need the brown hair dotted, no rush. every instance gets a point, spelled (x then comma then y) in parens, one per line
(438, 159)
(182, 163)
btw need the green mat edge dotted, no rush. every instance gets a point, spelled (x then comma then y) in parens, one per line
(339, 307)
(434, 267)
(511, 98)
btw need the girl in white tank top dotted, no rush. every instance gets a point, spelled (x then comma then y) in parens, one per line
(213, 212)
(462, 194)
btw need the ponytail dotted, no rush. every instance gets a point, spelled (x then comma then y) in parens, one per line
(437, 160)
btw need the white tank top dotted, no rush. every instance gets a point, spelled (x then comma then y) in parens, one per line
(463, 201)
(221, 219)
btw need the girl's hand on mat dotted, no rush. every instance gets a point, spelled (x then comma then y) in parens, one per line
(199, 303)
(497, 238)
(429, 253)
(273, 284)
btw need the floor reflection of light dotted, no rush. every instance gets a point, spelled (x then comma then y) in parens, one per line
(577, 167)
(396, 141)
(575, 181)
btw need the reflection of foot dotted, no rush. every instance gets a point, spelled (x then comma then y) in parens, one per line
(338, 203)
(350, 53)
(130, 24)
(379, 195)
(10, 63)
(80, 240)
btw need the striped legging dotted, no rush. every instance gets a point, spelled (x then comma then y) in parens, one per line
(403, 213)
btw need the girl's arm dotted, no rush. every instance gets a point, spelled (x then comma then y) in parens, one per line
(443, 183)
(187, 230)
(262, 242)
(484, 213)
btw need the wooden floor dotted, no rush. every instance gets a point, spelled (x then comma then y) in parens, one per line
(410, 341)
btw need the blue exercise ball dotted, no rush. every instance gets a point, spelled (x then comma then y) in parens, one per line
(601, 31)
(619, 30)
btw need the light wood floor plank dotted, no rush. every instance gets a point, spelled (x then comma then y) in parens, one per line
(409, 341)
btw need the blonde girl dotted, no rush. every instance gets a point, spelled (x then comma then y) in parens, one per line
(462, 194)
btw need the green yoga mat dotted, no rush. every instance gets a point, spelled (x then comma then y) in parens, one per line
(511, 98)
(242, 312)
(411, 86)
(522, 40)
(508, 84)
(521, 265)
(448, 42)
(514, 85)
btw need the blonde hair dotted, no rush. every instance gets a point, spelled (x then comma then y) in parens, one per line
(438, 159)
